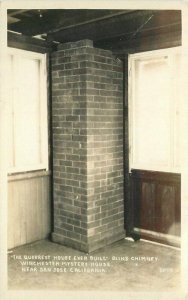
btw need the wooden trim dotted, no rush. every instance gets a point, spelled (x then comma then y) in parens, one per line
(28, 175)
(127, 189)
(166, 239)
(155, 175)
(27, 43)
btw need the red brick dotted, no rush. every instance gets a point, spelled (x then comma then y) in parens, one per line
(88, 146)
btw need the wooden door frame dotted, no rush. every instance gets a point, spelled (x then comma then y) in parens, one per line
(128, 139)
(128, 78)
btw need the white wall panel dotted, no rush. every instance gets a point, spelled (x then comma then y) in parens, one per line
(29, 213)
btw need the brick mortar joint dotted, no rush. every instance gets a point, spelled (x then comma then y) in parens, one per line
(89, 61)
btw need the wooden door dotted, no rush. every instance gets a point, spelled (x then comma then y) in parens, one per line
(154, 145)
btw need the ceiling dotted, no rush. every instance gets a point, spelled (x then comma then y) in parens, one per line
(116, 30)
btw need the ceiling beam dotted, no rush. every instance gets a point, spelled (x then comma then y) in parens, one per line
(91, 20)
(121, 25)
(113, 30)
(30, 44)
(16, 12)
(145, 34)
(53, 20)
(146, 43)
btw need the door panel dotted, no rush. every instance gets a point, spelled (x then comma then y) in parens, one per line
(156, 205)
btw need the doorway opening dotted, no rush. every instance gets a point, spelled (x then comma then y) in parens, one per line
(154, 146)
